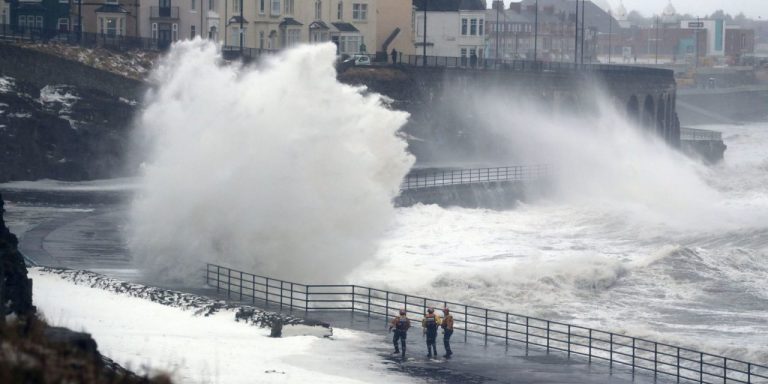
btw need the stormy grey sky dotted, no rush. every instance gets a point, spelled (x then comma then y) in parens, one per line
(751, 8)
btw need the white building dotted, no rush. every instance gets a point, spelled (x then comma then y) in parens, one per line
(715, 32)
(455, 28)
(276, 24)
(170, 20)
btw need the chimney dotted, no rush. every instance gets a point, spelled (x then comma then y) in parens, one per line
(516, 7)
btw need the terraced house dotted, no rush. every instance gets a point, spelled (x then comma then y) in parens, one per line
(276, 24)
(166, 21)
(37, 16)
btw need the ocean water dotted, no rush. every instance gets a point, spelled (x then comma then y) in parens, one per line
(606, 263)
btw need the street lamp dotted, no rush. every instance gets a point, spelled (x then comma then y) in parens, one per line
(536, 33)
(610, 35)
(576, 36)
(241, 27)
(424, 42)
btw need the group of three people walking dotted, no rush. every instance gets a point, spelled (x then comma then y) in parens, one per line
(430, 323)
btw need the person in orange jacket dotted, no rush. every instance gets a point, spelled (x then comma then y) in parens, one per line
(430, 323)
(400, 324)
(447, 331)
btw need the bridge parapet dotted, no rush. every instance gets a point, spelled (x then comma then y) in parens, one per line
(450, 177)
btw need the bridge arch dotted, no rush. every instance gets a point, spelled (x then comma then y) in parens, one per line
(649, 110)
(661, 118)
(633, 108)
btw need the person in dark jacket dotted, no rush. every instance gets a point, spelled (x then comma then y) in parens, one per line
(430, 323)
(400, 325)
(447, 331)
(394, 56)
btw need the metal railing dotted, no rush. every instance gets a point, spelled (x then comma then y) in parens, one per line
(83, 39)
(637, 354)
(692, 134)
(441, 178)
(525, 65)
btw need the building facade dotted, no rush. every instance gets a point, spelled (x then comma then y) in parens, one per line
(277, 24)
(394, 26)
(38, 16)
(105, 18)
(167, 21)
(454, 28)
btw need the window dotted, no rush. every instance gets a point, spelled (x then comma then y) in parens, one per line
(154, 31)
(359, 11)
(22, 22)
(289, 7)
(211, 5)
(193, 4)
(192, 32)
(292, 37)
(275, 11)
(261, 7)
(464, 27)
(212, 33)
(318, 9)
(174, 32)
(349, 44)
(473, 27)
(109, 26)
(110, 1)
(236, 6)
(261, 39)
(340, 10)
(480, 27)
(63, 25)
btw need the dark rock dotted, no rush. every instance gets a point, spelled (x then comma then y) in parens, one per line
(277, 328)
(76, 341)
(16, 287)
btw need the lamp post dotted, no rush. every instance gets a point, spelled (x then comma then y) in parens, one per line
(79, 20)
(610, 35)
(424, 43)
(498, 5)
(696, 33)
(576, 36)
(241, 28)
(536, 33)
(583, 19)
(657, 40)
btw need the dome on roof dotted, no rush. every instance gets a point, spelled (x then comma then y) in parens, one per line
(669, 10)
(621, 12)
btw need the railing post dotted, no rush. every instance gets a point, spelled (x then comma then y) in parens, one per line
(590, 345)
(369, 302)
(678, 364)
(229, 282)
(291, 296)
(749, 373)
(725, 370)
(266, 293)
(486, 327)
(241, 286)
(424, 312)
(569, 341)
(633, 357)
(306, 298)
(405, 304)
(253, 289)
(547, 337)
(353, 299)
(701, 367)
(610, 353)
(207, 266)
(655, 359)
(218, 278)
(281, 294)
(386, 307)
(506, 331)
(466, 324)
(526, 334)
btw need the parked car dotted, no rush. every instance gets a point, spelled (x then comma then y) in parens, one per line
(359, 60)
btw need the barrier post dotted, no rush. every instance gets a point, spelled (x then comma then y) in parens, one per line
(291, 297)
(486, 327)
(369, 302)
(266, 293)
(610, 354)
(229, 282)
(253, 289)
(547, 337)
(506, 331)
(569, 341)
(241, 286)
(306, 299)
(353, 300)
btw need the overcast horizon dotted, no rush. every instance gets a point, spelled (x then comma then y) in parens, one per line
(751, 8)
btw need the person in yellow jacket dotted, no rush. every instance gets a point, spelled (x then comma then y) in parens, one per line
(447, 331)
(400, 324)
(430, 323)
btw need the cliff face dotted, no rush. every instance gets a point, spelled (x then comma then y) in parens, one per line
(61, 119)
(16, 290)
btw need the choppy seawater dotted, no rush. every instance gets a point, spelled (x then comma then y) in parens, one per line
(694, 276)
